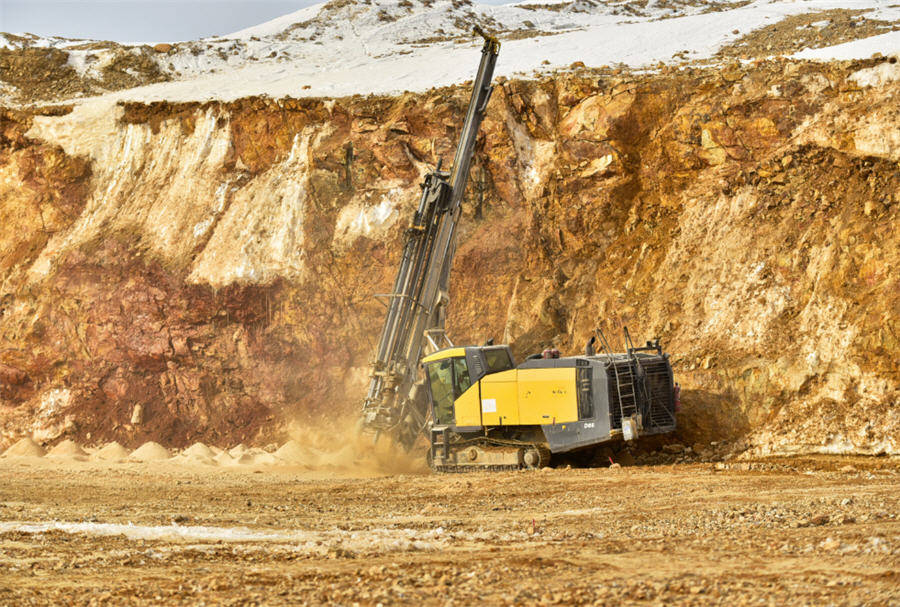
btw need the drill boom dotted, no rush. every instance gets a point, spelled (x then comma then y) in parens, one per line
(416, 305)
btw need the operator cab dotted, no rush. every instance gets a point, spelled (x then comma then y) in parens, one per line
(452, 371)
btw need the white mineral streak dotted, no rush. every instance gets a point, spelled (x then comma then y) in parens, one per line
(160, 185)
(260, 234)
(370, 219)
(368, 540)
(167, 186)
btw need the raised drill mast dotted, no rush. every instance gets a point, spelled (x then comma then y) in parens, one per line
(414, 322)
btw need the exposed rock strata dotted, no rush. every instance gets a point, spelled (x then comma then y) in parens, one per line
(215, 263)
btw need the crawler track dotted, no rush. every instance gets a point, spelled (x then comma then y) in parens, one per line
(540, 451)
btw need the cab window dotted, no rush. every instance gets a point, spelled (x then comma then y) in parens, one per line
(461, 376)
(497, 360)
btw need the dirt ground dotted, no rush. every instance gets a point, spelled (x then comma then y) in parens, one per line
(821, 531)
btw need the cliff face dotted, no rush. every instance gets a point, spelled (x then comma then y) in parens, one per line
(204, 272)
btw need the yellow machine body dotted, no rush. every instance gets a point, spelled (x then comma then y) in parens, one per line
(529, 397)
(480, 397)
(510, 397)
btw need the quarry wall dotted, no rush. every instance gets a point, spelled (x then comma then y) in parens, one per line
(205, 271)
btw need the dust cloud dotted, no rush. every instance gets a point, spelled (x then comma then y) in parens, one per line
(316, 449)
(341, 446)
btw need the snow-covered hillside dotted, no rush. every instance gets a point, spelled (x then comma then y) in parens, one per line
(347, 47)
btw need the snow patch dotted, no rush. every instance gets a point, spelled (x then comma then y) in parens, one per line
(886, 44)
(881, 74)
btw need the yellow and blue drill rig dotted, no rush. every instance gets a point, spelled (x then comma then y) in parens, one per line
(476, 407)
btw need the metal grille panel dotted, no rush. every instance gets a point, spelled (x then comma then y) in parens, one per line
(654, 393)
(661, 394)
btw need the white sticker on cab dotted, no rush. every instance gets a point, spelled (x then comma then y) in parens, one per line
(488, 405)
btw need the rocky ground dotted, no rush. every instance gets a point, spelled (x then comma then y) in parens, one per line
(787, 532)
(807, 31)
(33, 73)
(203, 271)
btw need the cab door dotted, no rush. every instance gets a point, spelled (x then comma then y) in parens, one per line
(440, 386)
(453, 396)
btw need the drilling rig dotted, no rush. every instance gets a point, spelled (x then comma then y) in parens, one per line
(477, 408)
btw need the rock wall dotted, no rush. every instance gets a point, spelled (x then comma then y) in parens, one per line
(204, 271)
